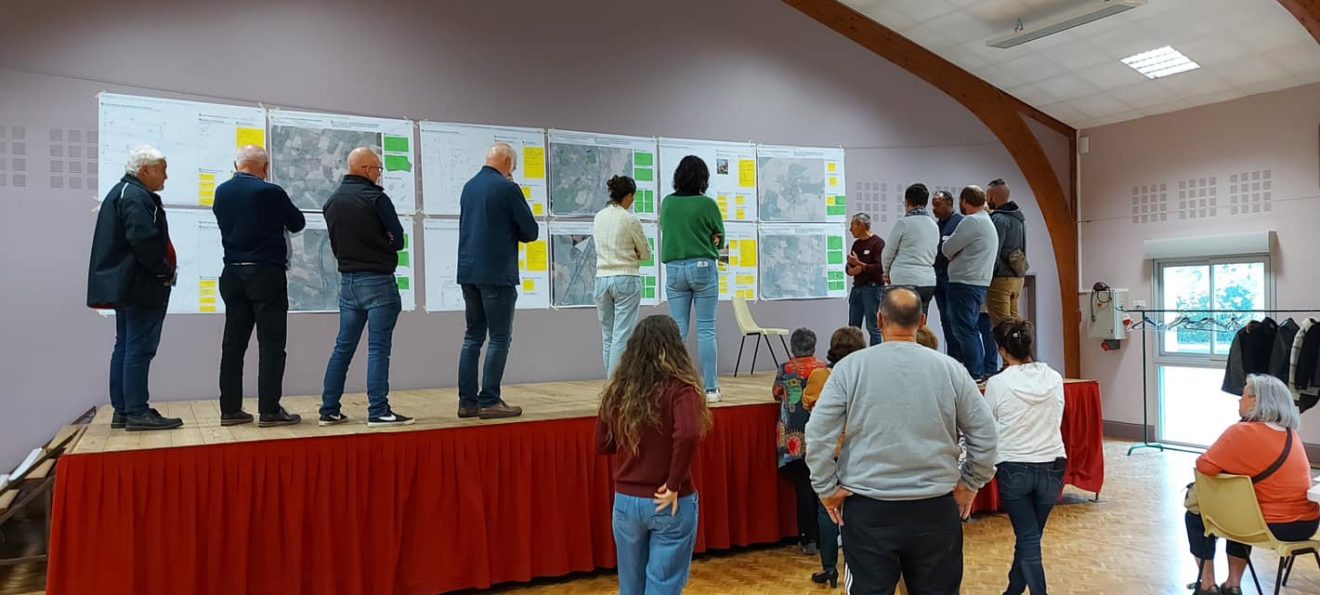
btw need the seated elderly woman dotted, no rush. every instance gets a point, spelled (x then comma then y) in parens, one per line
(1264, 441)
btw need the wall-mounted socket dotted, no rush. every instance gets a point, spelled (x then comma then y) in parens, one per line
(1138, 304)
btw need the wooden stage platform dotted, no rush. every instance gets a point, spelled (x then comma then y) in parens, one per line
(434, 409)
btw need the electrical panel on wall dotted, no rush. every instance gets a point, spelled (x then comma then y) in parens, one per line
(1107, 315)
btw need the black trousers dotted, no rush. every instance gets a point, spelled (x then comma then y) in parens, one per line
(920, 540)
(807, 521)
(254, 295)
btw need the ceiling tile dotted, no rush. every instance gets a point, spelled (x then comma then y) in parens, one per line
(1297, 58)
(1032, 67)
(1111, 74)
(965, 58)
(1067, 86)
(1033, 95)
(1100, 105)
(999, 76)
(960, 26)
(1077, 55)
(1249, 70)
(1164, 108)
(1126, 41)
(998, 13)
(1063, 111)
(920, 10)
(1214, 50)
(1270, 35)
(1193, 83)
(929, 37)
(888, 17)
(1144, 94)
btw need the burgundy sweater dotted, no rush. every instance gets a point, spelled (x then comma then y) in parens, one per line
(665, 452)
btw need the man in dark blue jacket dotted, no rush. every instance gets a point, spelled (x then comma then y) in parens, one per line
(253, 216)
(493, 218)
(948, 218)
(132, 269)
(366, 236)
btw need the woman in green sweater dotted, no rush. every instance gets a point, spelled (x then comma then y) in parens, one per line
(692, 233)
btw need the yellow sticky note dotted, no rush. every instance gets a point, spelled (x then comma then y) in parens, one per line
(538, 209)
(741, 200)
(829, 201)
(251, 136)
(733, 260)
(529, 285)
(742, 215)
(747, 249)
(832, 167)
(534, 163)
(745, 280)
(724, 285)
(724, 211)
(746, 173)
(206, 189)
(538, 260)
(834, 182)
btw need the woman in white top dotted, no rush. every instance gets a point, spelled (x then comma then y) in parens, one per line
(621, 247)
(1027, 401)
(909, 255)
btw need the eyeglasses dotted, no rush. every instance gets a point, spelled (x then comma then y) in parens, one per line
(371, 167)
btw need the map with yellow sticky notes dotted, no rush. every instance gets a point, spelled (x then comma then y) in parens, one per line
(732, 172)
(738, 262)
(800, 184)
(453, 153)
(199, 140)
(573, 265)
(443, 294)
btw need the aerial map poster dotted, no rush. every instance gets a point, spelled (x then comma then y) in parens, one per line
(802, 261)
(800, 184)
(582, 162)
(309, 155)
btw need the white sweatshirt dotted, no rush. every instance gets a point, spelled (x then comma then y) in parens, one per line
(1027, 402)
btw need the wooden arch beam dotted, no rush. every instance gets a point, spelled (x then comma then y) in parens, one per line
(1002, 114)
(1307, 13)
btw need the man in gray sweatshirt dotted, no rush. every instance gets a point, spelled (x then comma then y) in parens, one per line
(971, 251)
(897, 489)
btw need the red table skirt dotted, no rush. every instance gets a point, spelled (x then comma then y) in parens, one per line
(400, 512)
(1083, 440)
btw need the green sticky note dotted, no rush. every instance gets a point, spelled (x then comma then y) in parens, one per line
(835, 257)
(404, 283)
(644, 174)
(403, 259)
(650, 293)
(396, 144)
(648, 262)
(650, 281)
(640, 158)
(407, 239)
(836, 211)
(841, 201)
(397, 163)
(836, 243)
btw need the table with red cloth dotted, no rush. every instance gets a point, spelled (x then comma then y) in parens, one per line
(1083, 440)
(424, 511)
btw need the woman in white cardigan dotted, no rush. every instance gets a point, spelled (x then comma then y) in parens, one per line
(909, 255)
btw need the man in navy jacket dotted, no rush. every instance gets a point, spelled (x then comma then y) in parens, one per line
(253, 216)
(494, 218)
(132, 269)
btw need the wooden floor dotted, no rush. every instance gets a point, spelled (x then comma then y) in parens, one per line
(433, 408)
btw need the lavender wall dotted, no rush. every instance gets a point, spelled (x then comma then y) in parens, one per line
(720, 69)
(1275, 132)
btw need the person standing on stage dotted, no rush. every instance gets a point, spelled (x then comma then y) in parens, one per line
(868, 276)
(493, 219)
(948, 218)
(897, 489)
(652, 416)
(366, 236)
(132, 268)
(253, 216)
(1005, 291)
(971, 251)
(621, 246)
(908, 258)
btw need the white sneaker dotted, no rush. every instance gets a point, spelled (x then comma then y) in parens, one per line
(713, 396)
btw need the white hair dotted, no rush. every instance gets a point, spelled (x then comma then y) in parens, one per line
(142, 156)
(863, 218)
(1274, 402)
(502, 150)
(253, 154)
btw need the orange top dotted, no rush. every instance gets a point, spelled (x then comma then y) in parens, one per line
(1249, 448)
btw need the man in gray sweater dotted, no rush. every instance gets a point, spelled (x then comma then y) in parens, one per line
(971, 251)
(897, 489)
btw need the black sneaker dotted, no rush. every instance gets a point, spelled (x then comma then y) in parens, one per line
(151, 420)
(118, 420)
(392, 419)
(331, 419)
(279, 418)
(500, 411)
(236, 418)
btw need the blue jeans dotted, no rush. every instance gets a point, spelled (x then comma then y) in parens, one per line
(864, 309)
(137, 334)
(1029, 492)
(964, 307)
(617, 301)
(654, 549)
(369, 300)
(946, 313)
(990, 362)
(695, 284)
(489, 310)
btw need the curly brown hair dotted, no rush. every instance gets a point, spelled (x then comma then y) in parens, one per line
(654, 357)
(844, 341)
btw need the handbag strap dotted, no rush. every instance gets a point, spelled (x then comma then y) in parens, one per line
(1287, 450)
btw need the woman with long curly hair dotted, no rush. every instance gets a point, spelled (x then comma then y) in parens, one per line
(652, 416)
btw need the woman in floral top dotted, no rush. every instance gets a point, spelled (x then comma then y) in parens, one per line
(790, 383)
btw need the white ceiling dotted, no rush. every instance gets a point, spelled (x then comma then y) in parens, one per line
(1244, 47)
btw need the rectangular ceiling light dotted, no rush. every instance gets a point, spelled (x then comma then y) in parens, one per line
(1160, 62)
(1087, 13)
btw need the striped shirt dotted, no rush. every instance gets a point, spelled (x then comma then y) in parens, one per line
(621, 245)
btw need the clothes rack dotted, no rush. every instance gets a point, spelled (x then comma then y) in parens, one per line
(1145, 325)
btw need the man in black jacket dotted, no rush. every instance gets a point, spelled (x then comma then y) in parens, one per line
(366, 237)
(253, 216)
(1005, 291)
(132, 269)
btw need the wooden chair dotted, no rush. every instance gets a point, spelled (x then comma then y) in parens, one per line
(747, 325)
(1230, 510)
